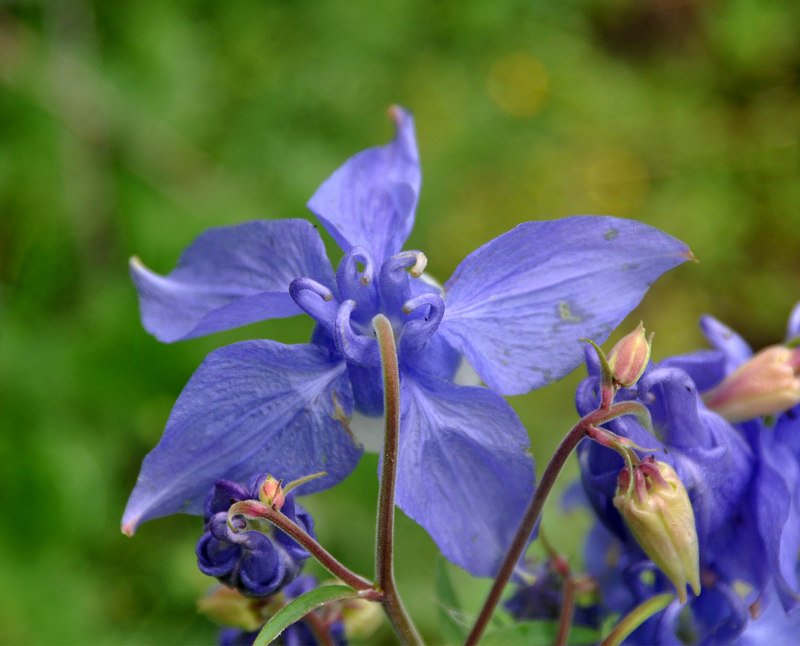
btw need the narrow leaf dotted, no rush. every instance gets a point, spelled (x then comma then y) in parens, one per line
(299, 608)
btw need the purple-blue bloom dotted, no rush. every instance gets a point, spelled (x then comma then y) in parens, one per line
(744, 483)
(515, 309)
(255, 563)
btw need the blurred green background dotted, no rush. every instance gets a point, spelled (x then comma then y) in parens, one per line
(130, 127)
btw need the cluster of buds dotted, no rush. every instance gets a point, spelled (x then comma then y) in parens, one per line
(657, 510)
(765, 385)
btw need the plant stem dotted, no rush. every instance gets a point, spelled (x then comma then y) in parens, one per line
(384, 544)
(255, 509)
(567, 611)
(532, 513)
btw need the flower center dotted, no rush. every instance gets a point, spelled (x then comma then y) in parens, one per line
(415, 308)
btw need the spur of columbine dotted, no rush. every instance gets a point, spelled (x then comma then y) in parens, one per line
(514, 310)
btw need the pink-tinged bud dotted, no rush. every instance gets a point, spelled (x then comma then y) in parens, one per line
(657, 510)
(629, 357)
(271, 492)
(766, 384)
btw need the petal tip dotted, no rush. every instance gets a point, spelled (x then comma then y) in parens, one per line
(129, 528)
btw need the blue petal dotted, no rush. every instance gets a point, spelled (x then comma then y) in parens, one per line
(255, 406)
(793, 326)
(706, 367)
(463, 470)
(724, 339)
(518, 306)
(371, 199)
(231, 276)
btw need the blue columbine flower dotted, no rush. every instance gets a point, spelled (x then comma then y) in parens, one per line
(255, 563)
(744, 482)
(515, 309)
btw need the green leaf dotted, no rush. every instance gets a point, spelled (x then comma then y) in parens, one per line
(532, 633)
(451, 627)
(299, 608)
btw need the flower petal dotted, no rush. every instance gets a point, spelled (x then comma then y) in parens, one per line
(255, 406)
(370, 201)
(733, 347)
(517, 306)
(463, 470)
(231, 276)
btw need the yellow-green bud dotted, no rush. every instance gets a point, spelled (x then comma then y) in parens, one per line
(361, 618)
(229, 607)
(765, 385)
(629, 357)
(656, 508)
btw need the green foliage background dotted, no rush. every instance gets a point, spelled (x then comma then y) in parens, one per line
(130, 127)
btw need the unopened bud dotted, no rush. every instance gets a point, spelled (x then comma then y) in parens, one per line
(229, 607)
(766, 384)
(657, 510)
(629, 357)
(361, 618)
(271, 492)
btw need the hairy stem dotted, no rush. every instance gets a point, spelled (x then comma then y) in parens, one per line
(384, 544)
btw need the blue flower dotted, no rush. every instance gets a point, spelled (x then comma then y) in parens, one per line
(514, 309)
(255, 563)
(744, 483)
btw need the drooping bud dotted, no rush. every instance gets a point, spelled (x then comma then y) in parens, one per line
(766, 384)
(629, 357)
(271, 492)
(229, 607)
(361, 618)
(656, 508)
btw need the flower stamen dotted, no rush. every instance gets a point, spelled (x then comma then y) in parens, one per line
(322, 309)
(354, 347)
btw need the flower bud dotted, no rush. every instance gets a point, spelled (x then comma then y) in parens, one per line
(657, 510)
(271, 492)
(229, 607)
(361, 618)
(766, 384)
(629, 357)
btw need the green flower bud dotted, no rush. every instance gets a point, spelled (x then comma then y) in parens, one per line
(656, 508)
(629, 357)
(229, 607)
(766, 384)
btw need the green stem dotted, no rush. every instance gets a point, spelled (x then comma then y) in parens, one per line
(532, 513)
(384, 544)
(637, 617)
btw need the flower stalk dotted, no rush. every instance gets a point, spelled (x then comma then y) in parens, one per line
(384, 544)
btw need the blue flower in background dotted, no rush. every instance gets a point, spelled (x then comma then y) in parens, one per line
(744, 482)
(514, 309)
